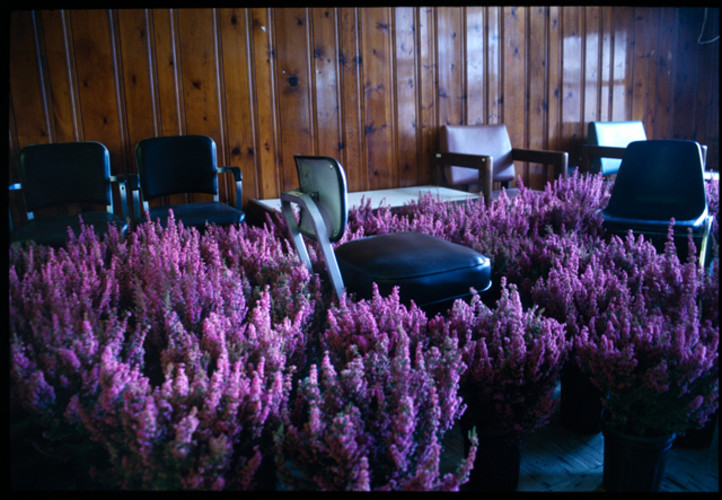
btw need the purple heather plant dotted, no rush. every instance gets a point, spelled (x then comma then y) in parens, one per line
(514, 357)
(371, 415)
(645, 330)
(162, 348)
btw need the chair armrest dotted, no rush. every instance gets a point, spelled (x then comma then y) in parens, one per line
(590, 151)
(483, 163)
(558, 159)
(122, 181)
(133, 182)
(12, 187)
(238, 177)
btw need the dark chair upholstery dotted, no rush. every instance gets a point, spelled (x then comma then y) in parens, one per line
(63, 177)
(481, 155)
(185, 164)
(429, 271)
(659, 180)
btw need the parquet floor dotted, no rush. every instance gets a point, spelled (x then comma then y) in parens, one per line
(555, 459)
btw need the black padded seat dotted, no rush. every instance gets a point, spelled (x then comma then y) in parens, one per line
(428, 270)
(197, 214)
(53, 230)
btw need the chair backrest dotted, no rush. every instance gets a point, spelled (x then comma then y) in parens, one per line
(324, 179)
(64, 173)
(177, 164)
(490, 140)
(658, 180)
(614, 134)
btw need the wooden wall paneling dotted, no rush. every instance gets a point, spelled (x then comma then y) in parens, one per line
(293, 70)
(378, 99)
(538, 78)
(265, 102)
(476, 81)
(450, 60)
(239, 125)
(27, 93)
(572, 79)
(326, 83)
(349, 58)
(61, 82)
(641, 70)
(406, 87)
(554, 81)
(516, 83)
(663, 64)
(97, 77)
(622, 68)
(605, 64)
(592, 47)
(167, 83)
(426, 93)
(494, 67)
(137, 78)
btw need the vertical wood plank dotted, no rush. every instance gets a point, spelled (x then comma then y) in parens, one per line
(378, 97)
(476, 78)
(27, 81)
(538, 78)
(326, 86)
(349, 57)
(450, 66)
(427, 96)
(294, 91)
(239, 122)
(60, 76)
(265, 102)
(406, 87)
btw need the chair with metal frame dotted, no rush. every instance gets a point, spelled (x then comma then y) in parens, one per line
(660, 180)
(429, 271)
(71, 177)
(181, 165)
(482, 155)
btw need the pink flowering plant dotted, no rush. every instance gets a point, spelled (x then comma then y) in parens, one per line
(165, 351)
(372, 414)
(513, 357)
(645, 330)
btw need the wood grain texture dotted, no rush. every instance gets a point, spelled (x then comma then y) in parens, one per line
(369, 86)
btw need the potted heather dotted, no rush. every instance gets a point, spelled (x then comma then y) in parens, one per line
(652, 354)
(372, 412)
(513, 357)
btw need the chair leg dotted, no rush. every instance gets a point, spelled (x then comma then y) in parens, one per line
(321, 233)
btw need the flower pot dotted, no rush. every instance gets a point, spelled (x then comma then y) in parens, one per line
(580, 401)
(496, 467)
(698, 438)
(634, 463)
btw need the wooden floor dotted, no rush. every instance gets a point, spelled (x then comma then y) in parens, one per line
(560, 460)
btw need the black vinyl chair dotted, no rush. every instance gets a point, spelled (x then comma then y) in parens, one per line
(177, 165)
(659, 180)
(482, 155)
(428, 270)
(73, 178)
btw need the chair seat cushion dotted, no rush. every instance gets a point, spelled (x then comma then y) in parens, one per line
(197, 214)
(54, 230)
(427, 269)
